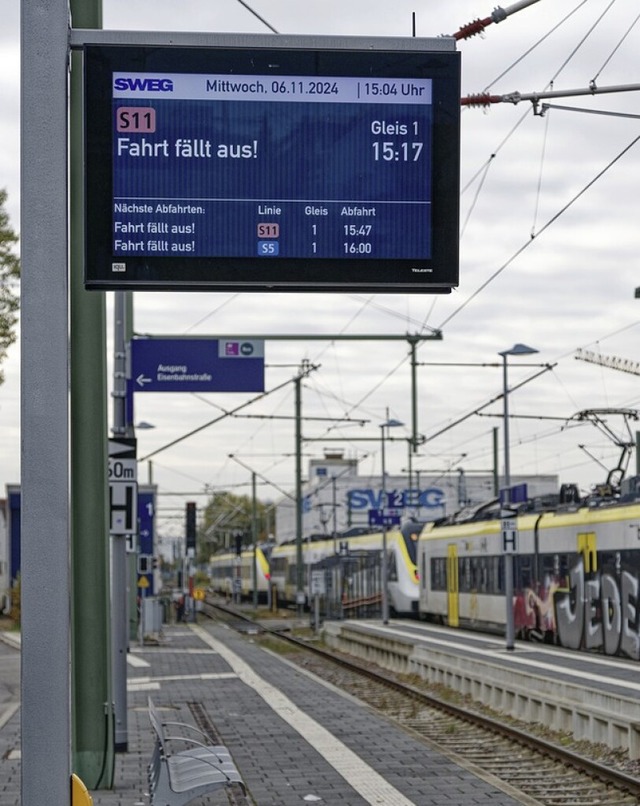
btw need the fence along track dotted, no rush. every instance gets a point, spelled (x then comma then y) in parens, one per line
(542, 771)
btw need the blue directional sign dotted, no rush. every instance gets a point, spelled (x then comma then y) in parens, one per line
(197, 365)
(384, 517)
(516, 494)
(146, 520)
(146, 545)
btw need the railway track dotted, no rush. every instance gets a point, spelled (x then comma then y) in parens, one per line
(540, 770)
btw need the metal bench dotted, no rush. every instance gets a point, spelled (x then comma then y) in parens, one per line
(177, 777)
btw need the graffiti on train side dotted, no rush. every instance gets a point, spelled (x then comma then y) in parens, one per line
(597, 611)
(600, 612)
(538, 616)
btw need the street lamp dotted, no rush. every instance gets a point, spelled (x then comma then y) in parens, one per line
(517, 349)
(385, 563)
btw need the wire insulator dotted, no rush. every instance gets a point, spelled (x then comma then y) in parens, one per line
(472, 28)
(480, 99)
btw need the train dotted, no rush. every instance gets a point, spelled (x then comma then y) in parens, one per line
(354, 559)
(351, 563)
(230, 573)
(575, 560)
(576, 570)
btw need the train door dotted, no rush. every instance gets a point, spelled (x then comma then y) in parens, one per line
(452, 586)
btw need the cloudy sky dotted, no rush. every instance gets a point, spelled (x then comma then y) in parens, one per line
(549, 243)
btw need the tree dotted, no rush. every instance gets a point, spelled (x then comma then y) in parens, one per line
(225, 515)
(9, 277)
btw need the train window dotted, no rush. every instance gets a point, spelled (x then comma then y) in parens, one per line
(462, 574)
(614, 561)
(607, 562)
(497, 583)
(524, 575)
(564, 568)
(487, 571)
(482, 580)
(475, 573)
(392, 568)
(439, 574)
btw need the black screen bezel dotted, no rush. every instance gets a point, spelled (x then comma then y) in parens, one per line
(437, 275)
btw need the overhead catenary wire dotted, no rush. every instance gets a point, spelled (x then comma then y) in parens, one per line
(483, 178)
(497, 397)
(546, 226)
(257, 16)
(485, 98)
(585, 111)
(484, 169)
(223, 416)
(540, 174)
(472, 206)
(552, 433)
(498, 15)
(615, 50)
(493, 99)
(536, 45)
(583, 40)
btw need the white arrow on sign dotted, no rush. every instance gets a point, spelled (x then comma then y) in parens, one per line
(142, 379)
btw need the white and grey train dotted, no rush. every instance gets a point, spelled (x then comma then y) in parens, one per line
(279, 574)
(576, 570)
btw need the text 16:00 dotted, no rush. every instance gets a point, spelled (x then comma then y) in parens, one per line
(363, 248)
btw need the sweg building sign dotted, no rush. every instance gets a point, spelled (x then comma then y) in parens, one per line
(197, 365)
(367, 498)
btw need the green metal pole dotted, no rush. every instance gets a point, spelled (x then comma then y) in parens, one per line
(254, 537)
(496, 472)
(299, 567)
(132, 558)
(92, 720)
(414, 401)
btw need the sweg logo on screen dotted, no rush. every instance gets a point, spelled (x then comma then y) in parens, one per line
(144, 84)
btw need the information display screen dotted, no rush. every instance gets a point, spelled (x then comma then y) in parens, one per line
(288, 169)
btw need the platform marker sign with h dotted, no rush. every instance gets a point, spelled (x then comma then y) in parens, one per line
(509, 528)
(123, 486)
